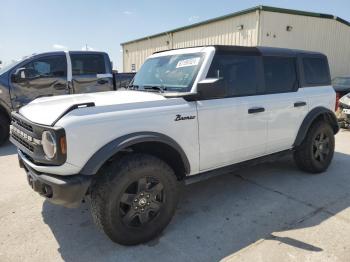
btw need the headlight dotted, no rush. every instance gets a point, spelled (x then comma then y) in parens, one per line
(49, 144)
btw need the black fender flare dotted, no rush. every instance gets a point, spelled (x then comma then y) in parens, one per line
(328, 116)
(110, 149)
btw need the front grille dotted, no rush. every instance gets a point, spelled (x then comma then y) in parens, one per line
(23, 124)
(23, 142)
(344, 106)
(26, 135)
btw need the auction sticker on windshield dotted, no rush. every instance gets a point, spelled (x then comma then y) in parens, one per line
(188, 62)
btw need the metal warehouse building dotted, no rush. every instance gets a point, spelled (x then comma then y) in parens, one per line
(258, 26)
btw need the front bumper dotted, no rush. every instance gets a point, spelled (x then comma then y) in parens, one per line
(67, 191)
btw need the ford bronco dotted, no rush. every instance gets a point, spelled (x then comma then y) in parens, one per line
(190, 113)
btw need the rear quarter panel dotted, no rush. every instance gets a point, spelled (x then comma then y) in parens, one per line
(320, 96)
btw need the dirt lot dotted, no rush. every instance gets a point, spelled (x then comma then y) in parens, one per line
(270, 212)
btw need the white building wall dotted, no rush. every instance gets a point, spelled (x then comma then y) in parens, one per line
(308, 33)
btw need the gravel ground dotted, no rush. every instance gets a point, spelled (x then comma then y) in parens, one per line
(270, 212)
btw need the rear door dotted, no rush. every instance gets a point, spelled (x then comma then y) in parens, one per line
(234, 128)
(45, 75)
(287, 104)
(91, 72)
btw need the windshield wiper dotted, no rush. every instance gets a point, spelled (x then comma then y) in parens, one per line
(161, 89)
(133, 87)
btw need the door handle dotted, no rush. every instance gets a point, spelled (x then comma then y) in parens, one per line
(60, 86)
(255, 110)
(299, 104)
(102, 81)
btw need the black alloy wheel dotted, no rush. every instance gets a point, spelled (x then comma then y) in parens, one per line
(316, 152)
(321, 147)
(142, 201)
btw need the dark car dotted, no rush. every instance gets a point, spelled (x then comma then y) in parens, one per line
(50, 74)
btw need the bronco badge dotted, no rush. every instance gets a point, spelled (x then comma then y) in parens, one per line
(179, 117)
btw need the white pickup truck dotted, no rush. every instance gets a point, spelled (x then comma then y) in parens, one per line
(192, 113)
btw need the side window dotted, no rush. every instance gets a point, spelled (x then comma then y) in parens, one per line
(240, 73)
(51, 66)
(280, 74)
(88, 64)
(316, 71)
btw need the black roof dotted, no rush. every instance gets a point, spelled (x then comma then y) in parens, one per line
(255, 50)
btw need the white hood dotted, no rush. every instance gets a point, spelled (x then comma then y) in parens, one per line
(47, 109)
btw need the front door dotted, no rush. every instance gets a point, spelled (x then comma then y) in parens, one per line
(41, 76)
(90, 73)
(233, 129)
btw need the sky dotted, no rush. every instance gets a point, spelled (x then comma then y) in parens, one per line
(34, 26)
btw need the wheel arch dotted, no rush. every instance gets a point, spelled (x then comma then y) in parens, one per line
(318, 113)
(153, 143)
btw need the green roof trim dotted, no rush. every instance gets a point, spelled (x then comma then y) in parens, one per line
(243, 12)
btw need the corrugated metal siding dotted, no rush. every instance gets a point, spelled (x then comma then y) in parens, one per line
(137, 52)
(222, 32)
(309, 33)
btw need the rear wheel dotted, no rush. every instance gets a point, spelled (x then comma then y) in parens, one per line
(4, 128)
(135, 198)
(316, 151)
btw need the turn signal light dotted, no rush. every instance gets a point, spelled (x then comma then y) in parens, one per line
(63, 144)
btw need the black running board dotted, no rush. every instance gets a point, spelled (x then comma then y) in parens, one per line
(228, 169)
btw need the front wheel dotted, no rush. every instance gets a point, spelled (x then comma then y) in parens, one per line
(316, 151)
(134, 198)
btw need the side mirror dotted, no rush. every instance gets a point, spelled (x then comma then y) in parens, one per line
(19, 75)
(211, 88)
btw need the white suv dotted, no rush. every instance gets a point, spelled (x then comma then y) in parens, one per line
(191, 113)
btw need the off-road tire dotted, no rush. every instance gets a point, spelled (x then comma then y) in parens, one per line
(110, 187)
(4, 128)
(304, 155)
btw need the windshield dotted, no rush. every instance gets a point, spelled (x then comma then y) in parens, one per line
(171, 73)
(341, 81)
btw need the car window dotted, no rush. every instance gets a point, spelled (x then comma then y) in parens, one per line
(51, 66)
(173, 72)
(239, 73)
(316, 71)
(88, 64)
(280, 74)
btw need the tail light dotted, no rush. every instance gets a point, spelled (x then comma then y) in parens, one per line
(337, 101)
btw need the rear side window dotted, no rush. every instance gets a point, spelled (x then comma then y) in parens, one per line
(280, 74)
(88, 64)
(316, 71)
(240, 73)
